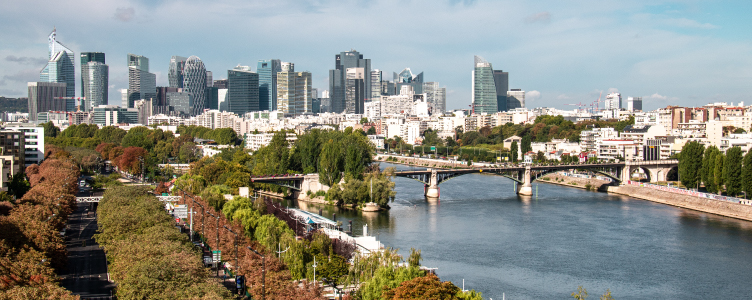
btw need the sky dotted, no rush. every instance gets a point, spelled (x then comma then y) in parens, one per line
(563, 53)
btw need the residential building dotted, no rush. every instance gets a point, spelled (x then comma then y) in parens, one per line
(242, 90)
(267, 83)
(46, 96)
(175, 72)
(141, 83)
(590, 138)
(31, 144)
(11, 156)
(60, 68)
(375, 84)
(484, 98)
(338, 76)
(256, 141)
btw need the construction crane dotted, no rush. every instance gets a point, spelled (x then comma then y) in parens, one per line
(598, 102)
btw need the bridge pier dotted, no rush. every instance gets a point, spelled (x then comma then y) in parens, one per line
(526, 189)
(432, 189)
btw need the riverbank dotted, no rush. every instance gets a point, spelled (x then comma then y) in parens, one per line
(716, 207)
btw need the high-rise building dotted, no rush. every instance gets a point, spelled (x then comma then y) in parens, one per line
(484, 88)
(194, 82)
(175, 72)
(406, 77)
(242, 90)
(107, 115)
(86, 57)
(375, 84)
(220, 83)
(209, 79)
(515, 99)
(501, 81)
(212, 98)
(436, 97)
(354, 90)
(293, 91)
(60, 67)
(338, 76)
(634, 104)
(181, 101)
(94, 83)
(613, 101)
(161, 104)
(267, 90)
(141, 83)
(46, 96)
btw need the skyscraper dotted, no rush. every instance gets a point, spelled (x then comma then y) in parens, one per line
(375, 84)
(294, 91)
(94, 83)
(613, 101)
(267, 73)
(338, 76)
(484, 89)
(86, 57)
(175, 72)
(60, 67)
(242, 90)
(42, 97)
(354, 90)
(515, 99)
(634, 104)
(435, 96)
(194, 82)
(406, 77)
(501, 81)
(141, 83)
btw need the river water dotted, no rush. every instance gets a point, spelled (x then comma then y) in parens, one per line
(544, 247)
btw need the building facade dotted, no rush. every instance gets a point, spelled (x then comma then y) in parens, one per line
(46, 96)
(194, 82)
(175, 72)
(267, 90)
(94, 83)
(484, 88)
(141, 83)
(338, 76)
(242, 90)
(60, 68)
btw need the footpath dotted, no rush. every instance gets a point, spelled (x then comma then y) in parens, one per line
(702, 204)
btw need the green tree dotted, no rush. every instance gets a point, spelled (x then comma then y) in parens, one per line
(371, 130)
(415, 258)
(581, 293)
(708, 169)
(690, 163)
(50, 130)
(353, 162)
(331, 164)
(526, 144)
(718, 179)
(733, 172)
(607, 295)
(513, 151)
(747, 174)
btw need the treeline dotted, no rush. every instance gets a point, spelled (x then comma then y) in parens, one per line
(149, 257)
(14, 104)
(31, 248)
(223, 136)
(140, 147)
(486, 143)
(729, 173)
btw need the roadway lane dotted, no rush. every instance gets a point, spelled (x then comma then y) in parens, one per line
(86, 274)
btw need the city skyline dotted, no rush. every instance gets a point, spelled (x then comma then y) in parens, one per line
(680, 53)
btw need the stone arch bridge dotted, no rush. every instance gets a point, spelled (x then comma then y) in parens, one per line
(524, 175)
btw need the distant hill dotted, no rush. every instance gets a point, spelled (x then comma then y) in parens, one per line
(14, 104)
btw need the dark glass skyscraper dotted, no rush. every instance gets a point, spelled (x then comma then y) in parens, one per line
(242, 90)
(501, 81)
(175, 72)
(338, 77)
(86, 57)
(267, 89)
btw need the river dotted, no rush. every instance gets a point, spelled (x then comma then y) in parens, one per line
(544, 247)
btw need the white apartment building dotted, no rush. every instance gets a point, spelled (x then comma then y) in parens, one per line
(611, 149)
(33, 141)
(256, 141)
(590, 138)
(372, 110)
(613, 101)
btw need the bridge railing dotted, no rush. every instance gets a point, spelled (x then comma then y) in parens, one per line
(690, 193)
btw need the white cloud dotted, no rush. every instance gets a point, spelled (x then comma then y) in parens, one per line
(125, 14)
(657, 96)
(563, 97)
(532, 95)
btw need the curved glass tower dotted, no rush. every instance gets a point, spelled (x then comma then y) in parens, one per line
(194, 82)
(60, 67)
(484, 87)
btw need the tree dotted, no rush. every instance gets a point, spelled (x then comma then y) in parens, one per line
(353, 162)
(581, 293)
(363, 120)
(514, 151)
(425, 287)
(331, 164)
(733, 166)
(690, 163)
(526, 144)
(718, 179)
(747, 174)
(18, 185)
(607, 295)
(415, 258)
(708, 168)
(371, 130)
(50, 130)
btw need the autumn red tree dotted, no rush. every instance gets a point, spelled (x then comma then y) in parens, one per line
(426, 287)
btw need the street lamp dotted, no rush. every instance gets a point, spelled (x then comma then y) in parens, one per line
(263, 273)
(202, 215)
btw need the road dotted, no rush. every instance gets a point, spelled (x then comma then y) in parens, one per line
(86, 274)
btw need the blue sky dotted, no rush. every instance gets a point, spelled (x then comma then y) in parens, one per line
(562, 52)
